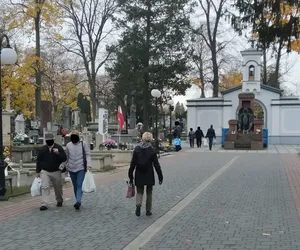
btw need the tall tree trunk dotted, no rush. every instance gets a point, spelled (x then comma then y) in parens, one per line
(277, 66)
(201, 71)
(93, 96)
(146, 91)
(265, 70)
(38, 75)
(215, 81)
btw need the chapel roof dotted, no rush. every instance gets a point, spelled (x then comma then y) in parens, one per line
(263, 86)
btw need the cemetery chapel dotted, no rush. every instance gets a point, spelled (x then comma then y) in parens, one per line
(280, 115)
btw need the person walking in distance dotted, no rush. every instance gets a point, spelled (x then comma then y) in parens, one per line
(177, 130)
(210, 135)
(192, 138)
(144, 161)
(199, 136)
(49, 160)
(78, 162)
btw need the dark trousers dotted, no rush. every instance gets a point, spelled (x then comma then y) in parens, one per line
(192, 142)
(199, 142)
(210, 142)
(140, 194)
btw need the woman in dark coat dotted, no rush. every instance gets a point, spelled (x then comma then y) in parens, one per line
(144, 160)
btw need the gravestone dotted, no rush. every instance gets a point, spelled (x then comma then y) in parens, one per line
(83, 119)
(35, 124)
(46, 115)
(20, 124)
(76, 119)
(7, 115)
(86, 136)
(67, 118)
(6, 127)
(99, 140)
(21, 137)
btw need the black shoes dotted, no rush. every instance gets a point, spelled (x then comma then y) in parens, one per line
(138, 211)
(59, 204)
(43, 208)
(77, 205)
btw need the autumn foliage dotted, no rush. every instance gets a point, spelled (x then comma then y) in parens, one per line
(230, 79)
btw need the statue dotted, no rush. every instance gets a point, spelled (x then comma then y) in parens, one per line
(132, 113)
(251, 73)
(245, 120)
(140, 128)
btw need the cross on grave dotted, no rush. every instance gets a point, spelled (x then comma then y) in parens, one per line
(7, 95)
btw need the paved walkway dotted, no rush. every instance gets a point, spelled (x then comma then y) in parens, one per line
(207, 201)
(272, 149)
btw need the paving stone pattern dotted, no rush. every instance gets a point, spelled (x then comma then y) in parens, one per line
(107, 220)
(249, 207)
(271, 149)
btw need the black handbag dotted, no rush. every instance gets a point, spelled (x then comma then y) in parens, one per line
(84, 157)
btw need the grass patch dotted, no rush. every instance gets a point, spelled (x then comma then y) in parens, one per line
(18, 191)
(107, 168)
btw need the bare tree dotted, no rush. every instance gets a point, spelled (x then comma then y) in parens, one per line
(88, 22)
(201, 61)
(61, 79)
(210, 30)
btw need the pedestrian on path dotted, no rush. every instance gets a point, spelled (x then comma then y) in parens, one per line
(177, 130)
(199, 136)
(143, 161)
(78, 162)
(192, 138)
(210, 135)
(49, 158)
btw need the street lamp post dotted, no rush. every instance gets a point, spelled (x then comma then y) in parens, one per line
(7, 56)
(156, 94)
(171, 103)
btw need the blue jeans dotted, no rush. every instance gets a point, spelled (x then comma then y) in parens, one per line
(77, 180)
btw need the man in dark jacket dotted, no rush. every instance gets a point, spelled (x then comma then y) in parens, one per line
(210, 135)
(177, 130)
(49, 159)
(199, 135)
(192, 137)
(143, 160)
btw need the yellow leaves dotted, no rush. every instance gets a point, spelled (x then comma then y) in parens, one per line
(197, 82)
(23, 15)
(295, 46)
(230, 79)
(20, 80)
(58, 37)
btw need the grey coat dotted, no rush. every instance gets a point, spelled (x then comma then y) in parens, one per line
(74, 153)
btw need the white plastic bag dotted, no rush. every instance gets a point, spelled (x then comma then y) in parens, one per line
(36, 187)
(88, 185)
(205, 144)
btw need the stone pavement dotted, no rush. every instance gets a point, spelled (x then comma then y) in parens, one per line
(249, 206)
(272, 149)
